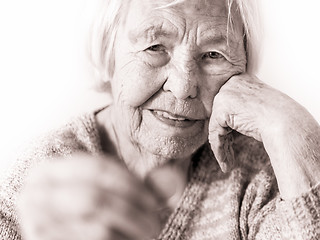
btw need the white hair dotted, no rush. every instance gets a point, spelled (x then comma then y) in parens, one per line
(112, 12)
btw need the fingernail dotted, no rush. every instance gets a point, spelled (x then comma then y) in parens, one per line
(224, 166)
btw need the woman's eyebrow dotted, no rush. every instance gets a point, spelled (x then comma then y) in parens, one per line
(212, 37)
(151, 33)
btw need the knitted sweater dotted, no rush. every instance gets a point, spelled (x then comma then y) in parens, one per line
(242, 204)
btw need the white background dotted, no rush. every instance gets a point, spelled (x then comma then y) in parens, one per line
(45, 79)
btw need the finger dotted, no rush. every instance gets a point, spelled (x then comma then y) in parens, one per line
(95, 222)
(221, 141)
(115, 178)
(124, 218)
(107, 174)
(132, 190)
(115, 234)
(170, 182)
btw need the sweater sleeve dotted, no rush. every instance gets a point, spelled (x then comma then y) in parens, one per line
(265, 216)
(301, 216)
(297, 219)
(78, 135)
(8, 224)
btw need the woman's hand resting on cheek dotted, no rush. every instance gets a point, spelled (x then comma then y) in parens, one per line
(87, 198)
(290, 135)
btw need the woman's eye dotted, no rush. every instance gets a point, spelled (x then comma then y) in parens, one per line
(156, 55)
(212, 55)
(156, 48)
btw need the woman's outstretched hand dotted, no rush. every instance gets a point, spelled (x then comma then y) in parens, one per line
(289, 133)
(87, 198)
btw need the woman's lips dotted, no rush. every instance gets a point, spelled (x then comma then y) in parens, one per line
(173, 119)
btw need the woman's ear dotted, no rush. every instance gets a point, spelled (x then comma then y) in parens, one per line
(106, 75)
(102, 79)
(104, 86)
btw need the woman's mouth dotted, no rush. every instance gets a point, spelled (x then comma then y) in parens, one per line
(173, 119)
(169, 116)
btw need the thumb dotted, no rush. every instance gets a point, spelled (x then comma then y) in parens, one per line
(221, 142)
(169, 182)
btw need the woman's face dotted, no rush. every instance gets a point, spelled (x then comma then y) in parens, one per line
(169, 64)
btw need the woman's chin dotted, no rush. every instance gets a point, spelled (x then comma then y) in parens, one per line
(159, 140)
(172, 142)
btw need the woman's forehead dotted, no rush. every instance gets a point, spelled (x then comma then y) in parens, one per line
(206, 7)
(150, 13)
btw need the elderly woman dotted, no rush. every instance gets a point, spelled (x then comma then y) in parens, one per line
(193, 146)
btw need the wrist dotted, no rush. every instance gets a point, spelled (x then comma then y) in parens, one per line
(293, 148)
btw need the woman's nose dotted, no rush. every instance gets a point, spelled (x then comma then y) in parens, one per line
(182, 82)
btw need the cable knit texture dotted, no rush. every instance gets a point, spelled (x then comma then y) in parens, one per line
(242, 204)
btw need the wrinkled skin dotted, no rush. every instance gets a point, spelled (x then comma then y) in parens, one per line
(180, 79)
(173, 60)
(290, 135)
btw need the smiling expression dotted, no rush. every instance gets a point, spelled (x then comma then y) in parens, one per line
(170, 62)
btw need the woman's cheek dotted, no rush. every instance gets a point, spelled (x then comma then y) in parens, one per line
(212, 84)
(139, 82)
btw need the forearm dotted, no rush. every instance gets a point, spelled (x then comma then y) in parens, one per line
(295, 155)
